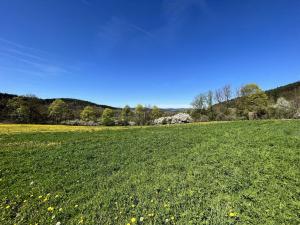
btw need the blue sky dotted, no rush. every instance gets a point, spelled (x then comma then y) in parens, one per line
(158, 52)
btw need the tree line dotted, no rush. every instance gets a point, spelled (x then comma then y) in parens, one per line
(247, 102)
(30, 109)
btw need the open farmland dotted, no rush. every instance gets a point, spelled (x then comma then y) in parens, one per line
(219, 173)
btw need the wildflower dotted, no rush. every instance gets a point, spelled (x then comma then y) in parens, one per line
(232, 214)
(25, 201)
(31, 196)
(167, 220)
(58, 223)
(141, 219)
(45, 199)
(132, 205)
(50, 209)
(172, 218)
(31, 183)
(133, 220)
(60, 209)
(81, 220)
(76, 206)
(56, 196)
(40, 197)
(128, 224)
(7, 207)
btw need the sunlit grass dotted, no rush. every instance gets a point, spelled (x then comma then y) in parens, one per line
(219, 173)
(29, 128)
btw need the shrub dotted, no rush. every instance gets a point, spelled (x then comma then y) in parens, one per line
(107, 117)
(220, 117)
(204, 118)
(80, 123)
(176, 119)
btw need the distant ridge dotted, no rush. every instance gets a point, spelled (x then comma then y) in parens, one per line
(289, 91)
(73, 103)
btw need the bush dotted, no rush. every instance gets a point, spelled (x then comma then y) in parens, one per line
(107, 117)
(220, 117)
(204, 118)
(80, 123)
(176, 119)
(297, 114)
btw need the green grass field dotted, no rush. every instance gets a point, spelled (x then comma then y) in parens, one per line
(221, 173)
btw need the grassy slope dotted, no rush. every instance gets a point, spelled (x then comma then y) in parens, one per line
(190, 173)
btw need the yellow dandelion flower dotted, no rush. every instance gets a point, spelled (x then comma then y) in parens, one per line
(81, 220)
(45, 199)
(128, 224)
(7, 207)
(132, 206)
(232, 214)
(50, 209)
(133, 220)
(41, 196)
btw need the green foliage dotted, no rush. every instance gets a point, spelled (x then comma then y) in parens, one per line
(58, 111)
(108, 117)
(156, 113)
(221, 173)
(88, 114)
(126, 115)
(26, 109)
(139, 114)
(19, 109)
(252, 99)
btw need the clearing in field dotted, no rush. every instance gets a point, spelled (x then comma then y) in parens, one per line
(227, 173)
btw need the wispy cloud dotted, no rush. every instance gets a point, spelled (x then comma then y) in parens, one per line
(17, 58)
(118, 32)
(143, 31)
(177, 12)
(117, 28)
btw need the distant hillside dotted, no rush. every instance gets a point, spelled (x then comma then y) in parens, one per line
(289, 92)
(75, 105)
(72, 103)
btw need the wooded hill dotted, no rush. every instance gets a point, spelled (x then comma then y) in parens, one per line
(74, 105)
(40, 109)
(289, 92)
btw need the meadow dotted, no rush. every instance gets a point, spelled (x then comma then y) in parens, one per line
(220, 173)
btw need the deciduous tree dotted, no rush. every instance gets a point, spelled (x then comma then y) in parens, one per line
(108, 117)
